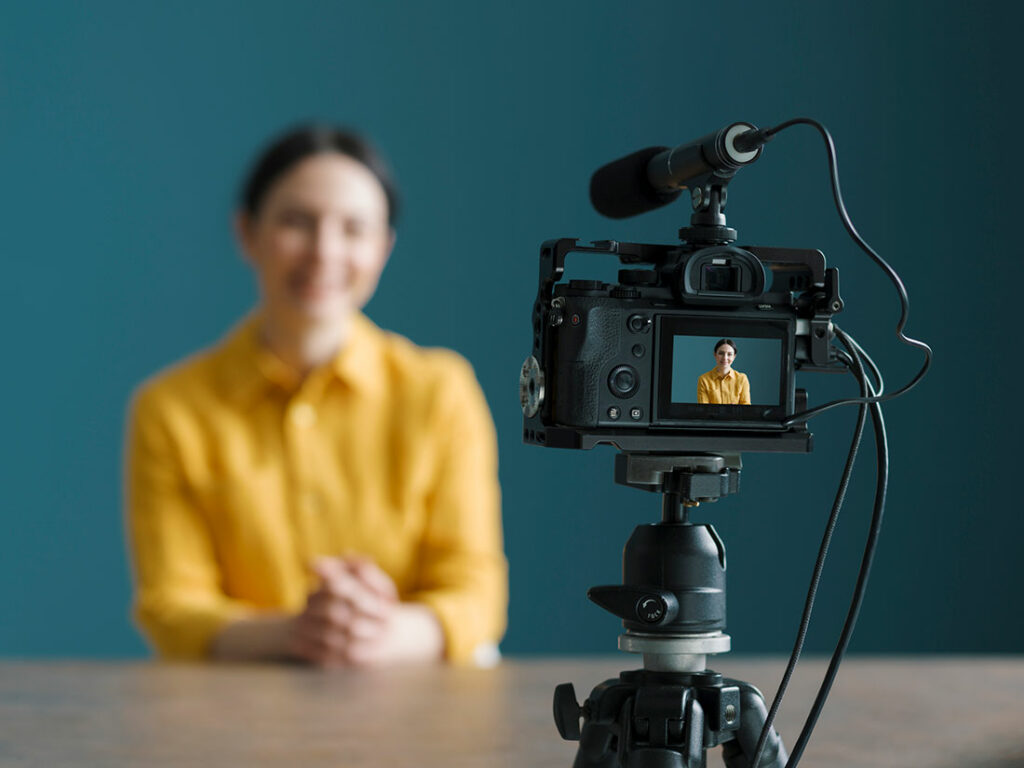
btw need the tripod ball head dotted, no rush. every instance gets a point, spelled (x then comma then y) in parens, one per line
(673, 581)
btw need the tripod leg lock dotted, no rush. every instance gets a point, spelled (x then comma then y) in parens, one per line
(667, 717)
(739, 752)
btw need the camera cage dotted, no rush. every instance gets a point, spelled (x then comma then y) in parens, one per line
(796, 297)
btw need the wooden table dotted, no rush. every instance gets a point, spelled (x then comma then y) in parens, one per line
(919, 712)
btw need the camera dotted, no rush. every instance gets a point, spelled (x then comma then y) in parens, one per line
(626, 363)
(620, 363)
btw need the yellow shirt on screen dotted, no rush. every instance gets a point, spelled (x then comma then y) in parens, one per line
(240, 473)
(731, 389)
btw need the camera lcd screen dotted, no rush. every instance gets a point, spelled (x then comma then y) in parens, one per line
(692, 390)
(754, 370)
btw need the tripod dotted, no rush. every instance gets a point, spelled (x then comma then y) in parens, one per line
(672, 605)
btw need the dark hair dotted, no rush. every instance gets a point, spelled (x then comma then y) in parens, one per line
(304, 141)
(730, 342)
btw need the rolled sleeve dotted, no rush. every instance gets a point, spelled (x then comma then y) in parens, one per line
(463, 573)
(179, 603)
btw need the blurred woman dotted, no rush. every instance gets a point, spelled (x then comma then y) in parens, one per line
(313, 487)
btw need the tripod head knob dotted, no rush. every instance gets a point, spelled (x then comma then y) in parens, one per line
(673, 581)
(648, 605)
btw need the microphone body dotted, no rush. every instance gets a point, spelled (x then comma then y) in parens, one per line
(622, 188)
(655, 176)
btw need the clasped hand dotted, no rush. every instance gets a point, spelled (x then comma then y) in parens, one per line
(355, 618)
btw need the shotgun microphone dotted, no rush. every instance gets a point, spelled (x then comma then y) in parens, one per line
(655, 176)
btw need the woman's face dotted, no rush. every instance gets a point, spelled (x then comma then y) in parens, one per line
(320, 239)
(724, 356)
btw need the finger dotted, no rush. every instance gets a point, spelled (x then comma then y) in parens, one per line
(337, 579)
(319, 644)
(317, 655)
(325, 567)
(373, 576)
(359, 597)
(300, 647)
(326, 609)
(369, 605)
(366, 628)
(356, 577)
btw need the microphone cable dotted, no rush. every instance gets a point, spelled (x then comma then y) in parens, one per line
(856, 368)
(759, 138)
(871, 396)
(870, 546)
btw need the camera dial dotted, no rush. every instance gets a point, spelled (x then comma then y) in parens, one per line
(531, 387)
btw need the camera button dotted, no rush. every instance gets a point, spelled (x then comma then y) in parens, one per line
(614, 412)
(623, 381)
(638, 323)
(638, 350)
(636, 413)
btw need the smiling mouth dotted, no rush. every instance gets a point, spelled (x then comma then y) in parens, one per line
(312, 289)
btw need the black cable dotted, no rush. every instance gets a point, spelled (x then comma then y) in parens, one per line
(881, 487)
(855, 367)
(870, 396)
(901, 290)
(879, 386)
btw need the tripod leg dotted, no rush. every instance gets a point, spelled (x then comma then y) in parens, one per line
(660, 726)
(595, 748)
(739, 752)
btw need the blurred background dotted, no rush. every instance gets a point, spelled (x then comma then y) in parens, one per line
(125, 128)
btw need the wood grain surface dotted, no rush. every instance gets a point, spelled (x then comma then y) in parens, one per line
(913, 712)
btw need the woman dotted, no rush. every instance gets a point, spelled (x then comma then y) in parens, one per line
(313, 487)
(722, 385)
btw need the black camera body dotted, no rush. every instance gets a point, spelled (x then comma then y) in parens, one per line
(620, 363)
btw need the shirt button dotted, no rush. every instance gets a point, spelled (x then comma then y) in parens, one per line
(303, 415)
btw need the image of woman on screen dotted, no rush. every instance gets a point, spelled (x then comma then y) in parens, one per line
(312, 487)
(723, 385)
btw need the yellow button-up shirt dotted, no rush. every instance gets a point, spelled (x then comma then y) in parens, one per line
(240, 473)
(731, 389)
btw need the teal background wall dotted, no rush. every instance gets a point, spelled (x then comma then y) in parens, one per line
(124, 129)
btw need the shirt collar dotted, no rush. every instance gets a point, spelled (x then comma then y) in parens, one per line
(357, 363)
(249, 368)
(720, 376)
